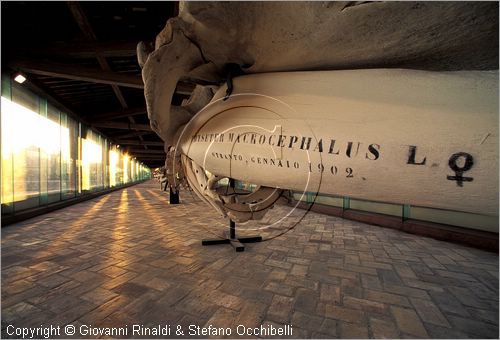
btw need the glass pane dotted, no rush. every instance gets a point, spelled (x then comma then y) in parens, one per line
(69, 153)
(132, 170)
(114, 167)
(79, 178)
(99, 167)
(47, 156)
(120, 168)
(330, 200)
(21, 135)
(91, 162)
(473, 221)
(52, 151)
(7, 161)
(27, 99)
(105, 157)
(126, 169)
(377, 207)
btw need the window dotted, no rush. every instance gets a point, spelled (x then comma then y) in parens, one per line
(48, 156)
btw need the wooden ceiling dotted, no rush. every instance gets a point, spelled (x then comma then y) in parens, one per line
(82, 56)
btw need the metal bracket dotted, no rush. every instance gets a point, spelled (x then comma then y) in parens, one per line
(233, 70)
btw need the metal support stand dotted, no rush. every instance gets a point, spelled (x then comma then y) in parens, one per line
(164, 186)
(174, 197)
(235, 242)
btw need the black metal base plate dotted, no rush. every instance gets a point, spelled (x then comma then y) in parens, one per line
(174, 197)
(236, 243)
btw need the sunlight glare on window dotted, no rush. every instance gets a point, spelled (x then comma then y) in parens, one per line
(126, 159)
(25, 134)
(23, 128)
(113, 167)
(91, 158)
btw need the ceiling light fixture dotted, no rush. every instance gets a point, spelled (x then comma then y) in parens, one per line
(20, 78)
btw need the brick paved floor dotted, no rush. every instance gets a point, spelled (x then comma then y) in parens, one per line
(129, 258)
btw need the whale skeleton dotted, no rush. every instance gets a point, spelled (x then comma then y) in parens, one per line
(427, 138)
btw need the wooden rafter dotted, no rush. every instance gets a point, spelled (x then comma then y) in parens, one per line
(86, 28)
(93, 75)
(133, 134)
(119, 114)
(153, 158)
(147, 152)
(137, 142)
(82, 49)
(122, 126)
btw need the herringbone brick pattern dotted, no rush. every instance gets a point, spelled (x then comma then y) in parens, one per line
(129, 258)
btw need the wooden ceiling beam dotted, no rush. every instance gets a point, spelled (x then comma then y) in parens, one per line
(121, 126)
(86, 28)
(150, 157)
(81, 20)
(75, 72)
(119, 114)
(82, 49)
(146, 152)
(138, 142)
(70, 86)
(142, 156)
(133, 134)
(90, 92)
(88, 99)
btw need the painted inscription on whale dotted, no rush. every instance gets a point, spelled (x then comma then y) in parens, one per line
(407, 144)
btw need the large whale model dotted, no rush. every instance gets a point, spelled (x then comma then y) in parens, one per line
(393, 102)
